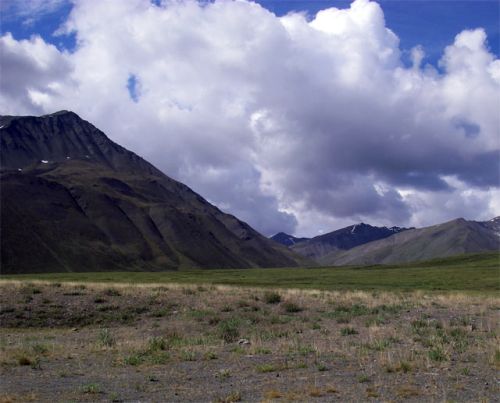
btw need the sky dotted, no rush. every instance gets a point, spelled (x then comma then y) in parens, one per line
(295, 116)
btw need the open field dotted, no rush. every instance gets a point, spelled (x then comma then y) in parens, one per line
(326, 334)
(477, 273)
(120, 342)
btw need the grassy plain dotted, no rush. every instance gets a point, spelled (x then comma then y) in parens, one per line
(336, 334)
(469, 273)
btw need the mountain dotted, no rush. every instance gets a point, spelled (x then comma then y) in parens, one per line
(493, 225)
(451, 238)
(343, 239)
(287, 240)
(73, 200)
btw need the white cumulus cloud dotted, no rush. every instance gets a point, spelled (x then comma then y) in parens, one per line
(291, 124)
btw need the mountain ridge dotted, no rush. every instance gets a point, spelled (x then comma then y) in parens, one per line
(286, 239)
(75, 200)
(342, 239)
(455, 237)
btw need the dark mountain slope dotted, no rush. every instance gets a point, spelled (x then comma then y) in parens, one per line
(452, 238)
(343, 239)
(73, 200)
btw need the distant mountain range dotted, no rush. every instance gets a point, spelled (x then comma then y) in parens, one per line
(339, 240)
(73, 200)
(364, 244)
(287, 240)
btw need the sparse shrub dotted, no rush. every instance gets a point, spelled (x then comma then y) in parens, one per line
(175, 339)
(314, 392)
(376, 321)
(406, 392)
(243, 304)
(227, 308)
(224, 374)
(379, 345)
(160, 313)
(272, 298)
(210, 355)
(126, 317)
(39, 348)
(188, 355)
(437, 354)
(436, 324)
(114, 397)
(229, 330)
(344, 319)
(404, 367)
(291, 307)
(99, 300)
(461, 321)
(389, 369)
(92, 388)
(231, 398)
(305, 349)
(238, 350)
(23, 360)
(262, 350)
(134, 359)
(112, 292)
(157, 343)
(264, 368)
(363, 379)
(105, 338)
(280, 319)
(107, 308)
(159, 357)
(347, 331)
(371, 392)
(322, 367)
(419, 324)
(273, 394)
(73, 293)
(188, 291)
(140, 309)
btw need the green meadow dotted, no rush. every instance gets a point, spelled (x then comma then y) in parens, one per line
(469, 273)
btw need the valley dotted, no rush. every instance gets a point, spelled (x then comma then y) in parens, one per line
(119, 283)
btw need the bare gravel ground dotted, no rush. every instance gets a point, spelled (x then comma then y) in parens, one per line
(93, 342)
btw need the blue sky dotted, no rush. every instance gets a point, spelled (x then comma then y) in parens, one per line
(430, 23)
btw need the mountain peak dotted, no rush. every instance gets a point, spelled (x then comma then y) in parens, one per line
(62, 137)
(59, 113)
(79, 201)
(286, 239)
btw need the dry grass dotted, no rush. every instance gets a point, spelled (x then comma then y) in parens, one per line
(160, 339)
